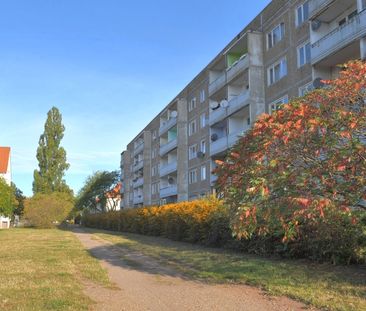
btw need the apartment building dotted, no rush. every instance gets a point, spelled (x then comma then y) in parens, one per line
(283, 53)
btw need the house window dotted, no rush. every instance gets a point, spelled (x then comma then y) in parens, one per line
(276, 105)
(155, 188)
(202, 96)
(154, 135)
(193, 176)
(154, 170)
(203, 146)
(275, 35)
(192, 128)
(203, 120)
(203, 172)
(306, 89)
(192, 104)
(302, 13)
(192, 152)
(277, 71)
(303, 54)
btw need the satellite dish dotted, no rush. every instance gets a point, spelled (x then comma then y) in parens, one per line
(318, 83)
(214, 105)
(174, 114)
(224, 103)
(171, 180)
(315, 24)
(214, 137)
(200, 155)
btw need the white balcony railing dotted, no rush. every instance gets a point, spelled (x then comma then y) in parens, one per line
(167, 125)
(217, 84)
(164, 149)
(139, 165)
(217, 115)
(168, 168)
(138, 149)
(238, 67)
(139, 199)
(238, 102)
(339, 38)
(139, 182)
(168, 191)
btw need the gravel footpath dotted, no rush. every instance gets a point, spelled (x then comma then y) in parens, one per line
(144, 284)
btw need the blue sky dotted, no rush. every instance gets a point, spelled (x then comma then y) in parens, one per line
(109, 66)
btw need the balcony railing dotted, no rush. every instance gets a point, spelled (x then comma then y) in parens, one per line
(213, 179)
(316, 6)
(217, 84)
(226, 142)
(339, 38)
(139, 199)
(138, 149)
(168, 168)
(217, 115)
(238, 102)
(238, 67)
(139, 182)
(168, 191)
(167, 125)
(139, 165)
(164, 149)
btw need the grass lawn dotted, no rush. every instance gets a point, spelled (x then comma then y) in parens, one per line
(323, 286)
(44, 270)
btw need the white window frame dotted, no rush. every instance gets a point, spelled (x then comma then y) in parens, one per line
(203, 120)
(271, 38)
(271, 71)
(202, 96)
(192, 104)
(303, 90)
(203, 172)
(203, 146)
(192, 129)
(300, 13)
(302, 51)
(192, 176)
(276, 105)
(192, 152)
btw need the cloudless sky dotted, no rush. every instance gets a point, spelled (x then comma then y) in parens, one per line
(109, 65)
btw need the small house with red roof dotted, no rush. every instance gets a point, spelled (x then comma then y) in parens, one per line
(5, 173)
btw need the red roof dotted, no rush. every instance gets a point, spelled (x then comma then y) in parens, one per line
(4, 159)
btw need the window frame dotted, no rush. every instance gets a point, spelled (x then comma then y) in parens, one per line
(271, 73)
(306, 55)
(300, 15)
(280, 101)
(271, 41)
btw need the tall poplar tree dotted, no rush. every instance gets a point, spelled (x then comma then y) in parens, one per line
(51, 157)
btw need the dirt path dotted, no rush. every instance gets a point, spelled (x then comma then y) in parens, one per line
(143, 284)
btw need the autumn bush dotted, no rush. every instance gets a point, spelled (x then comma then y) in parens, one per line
(295, 184)
(203, 221)
(48, 210)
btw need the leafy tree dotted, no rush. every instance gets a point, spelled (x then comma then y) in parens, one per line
(48, 210)
(299, 173)
(51, 157)
(7, 199)
(94, 194)
(20, 200)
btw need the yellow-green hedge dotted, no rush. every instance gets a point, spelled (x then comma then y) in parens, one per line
(203, 221)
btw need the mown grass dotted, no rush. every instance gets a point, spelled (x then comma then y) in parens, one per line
(44, 270)
(323, 286)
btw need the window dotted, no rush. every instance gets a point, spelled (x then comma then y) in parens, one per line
(192, 128)
(193, 176)
(276, 105)
(277, 71)
(302, 14)
(203, 146)
(306, 89)
(303, 54)
(203, 172)
(155, 188)
(203, 120)
(153, 153)
(154, 135)
(202, 96)
(192, 152)
(192, 104)
(275, 35)
(154, 170)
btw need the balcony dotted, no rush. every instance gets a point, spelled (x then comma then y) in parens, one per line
(233, 138)
(213, 179)
(339, 38)
(168, 168)
(238, 102)
(217, 84)
(139, 182)
(164, 149)
(138, 149)
(218, 146)
(138, 166)
(138, 199)
(166, 126)
(238, 67)
(168, 191)
(217, 115)
(316, 6)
